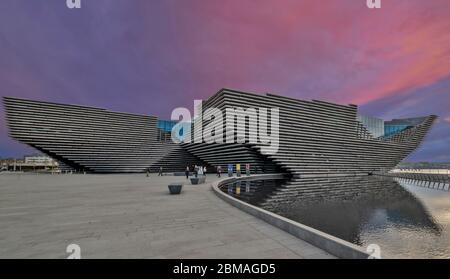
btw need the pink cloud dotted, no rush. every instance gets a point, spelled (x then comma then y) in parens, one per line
(337, 50)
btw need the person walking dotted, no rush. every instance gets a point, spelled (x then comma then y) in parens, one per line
(195, 171)
(219, 170)
(160, 171)
(148, 172)
(187, 172)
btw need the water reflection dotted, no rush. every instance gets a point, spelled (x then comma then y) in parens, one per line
(361, 210)
(253, 191)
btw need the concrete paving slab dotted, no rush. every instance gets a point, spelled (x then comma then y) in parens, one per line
(131, 216)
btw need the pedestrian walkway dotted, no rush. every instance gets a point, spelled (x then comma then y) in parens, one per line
(131, 216)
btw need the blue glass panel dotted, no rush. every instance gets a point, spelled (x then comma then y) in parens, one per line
(166, 125)
(393, 129)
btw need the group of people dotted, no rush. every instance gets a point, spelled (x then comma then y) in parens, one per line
(147, 171)
(160, 171)
(198, 170)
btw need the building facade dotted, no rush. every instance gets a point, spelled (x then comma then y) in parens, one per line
(316, 138)
(93, 139)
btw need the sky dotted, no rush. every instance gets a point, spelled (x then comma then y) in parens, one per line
(150, 57)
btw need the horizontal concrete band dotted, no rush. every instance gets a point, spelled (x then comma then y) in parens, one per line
(309, 138)
(333, 245)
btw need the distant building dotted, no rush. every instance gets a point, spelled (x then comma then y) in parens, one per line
(39, 160)
(29, 163)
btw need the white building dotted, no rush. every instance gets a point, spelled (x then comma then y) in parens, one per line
(39, 160)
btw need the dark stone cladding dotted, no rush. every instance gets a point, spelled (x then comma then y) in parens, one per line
(317, 139)
(93, 139)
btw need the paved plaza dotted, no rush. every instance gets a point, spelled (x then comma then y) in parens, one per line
(131, 216)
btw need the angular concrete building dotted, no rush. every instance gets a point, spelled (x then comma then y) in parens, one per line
(316, 138)
(93, 139)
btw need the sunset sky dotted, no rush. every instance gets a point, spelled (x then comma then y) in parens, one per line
(150, 57)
